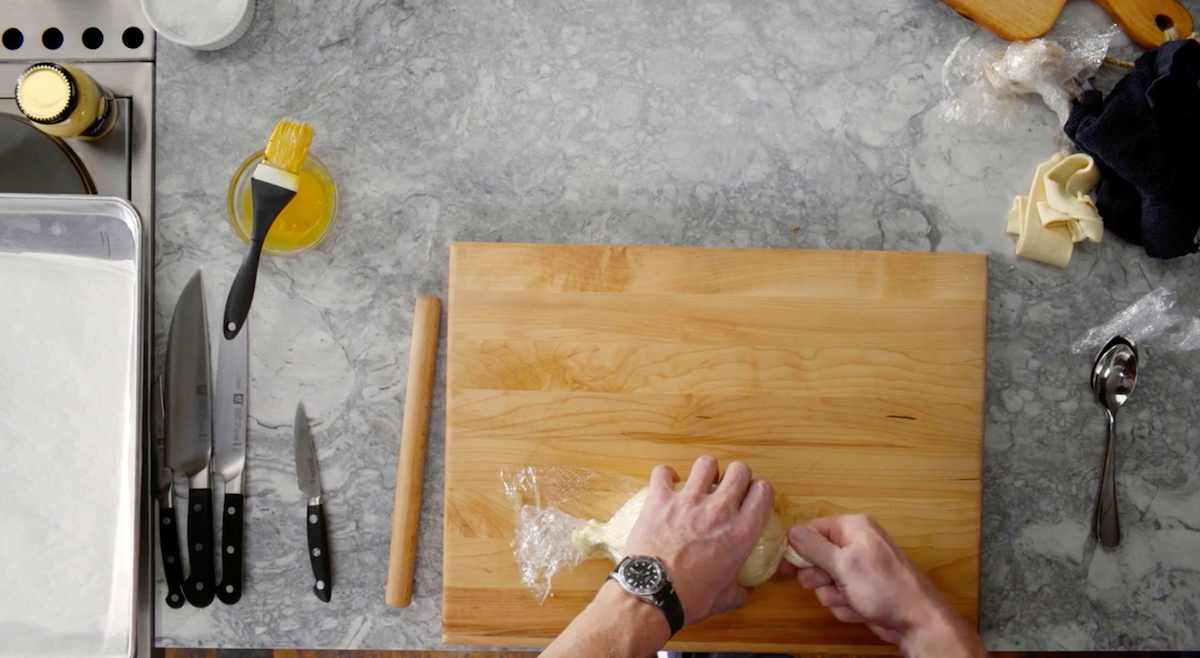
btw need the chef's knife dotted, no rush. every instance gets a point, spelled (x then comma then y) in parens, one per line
(229, 454)
(189, 431)
(309, 478)
(168, 536)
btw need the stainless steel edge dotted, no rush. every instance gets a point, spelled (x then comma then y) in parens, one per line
(189, 386)
(71, 18)
(229, 415)
(133, 84)
(108, 246)
(308, 472)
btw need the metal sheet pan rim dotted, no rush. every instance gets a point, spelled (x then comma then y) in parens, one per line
(75, 206)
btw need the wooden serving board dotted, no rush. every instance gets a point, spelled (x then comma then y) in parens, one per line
(1020, 20)
(852, 381)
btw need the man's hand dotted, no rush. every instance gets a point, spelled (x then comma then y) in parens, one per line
(862, 577)
(702, 534)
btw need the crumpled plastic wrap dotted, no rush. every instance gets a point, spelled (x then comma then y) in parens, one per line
(1153, 320)
(551, 535)
(542, 537)
(989, 81)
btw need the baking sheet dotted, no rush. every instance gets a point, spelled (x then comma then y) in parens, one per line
(72, 353)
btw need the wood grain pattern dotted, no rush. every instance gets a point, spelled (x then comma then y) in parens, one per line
(410, 467)
(1019, 20)
(853, 381)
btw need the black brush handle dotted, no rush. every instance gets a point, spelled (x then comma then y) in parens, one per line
(200, 586)
(168, 541)
(318, 552)
(230, 589)
(268, 200)
(241, 292)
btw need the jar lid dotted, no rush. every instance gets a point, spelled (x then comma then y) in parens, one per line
(46, 93)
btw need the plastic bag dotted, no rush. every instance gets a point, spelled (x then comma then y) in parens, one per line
(1152, 320)
(989, 81)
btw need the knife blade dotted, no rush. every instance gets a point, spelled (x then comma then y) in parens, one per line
(168, 536)
(189, 431)
(308, 477)
(229, 453)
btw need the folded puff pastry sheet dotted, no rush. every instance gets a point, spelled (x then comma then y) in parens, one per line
(1058, 212)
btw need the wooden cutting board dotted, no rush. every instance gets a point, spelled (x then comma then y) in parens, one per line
(852, 381)
(1019, 20)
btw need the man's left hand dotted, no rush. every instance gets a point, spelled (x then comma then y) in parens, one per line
(703, 534)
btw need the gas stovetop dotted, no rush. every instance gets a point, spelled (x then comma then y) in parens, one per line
(75, 30)
(120, 164)
(111, 40)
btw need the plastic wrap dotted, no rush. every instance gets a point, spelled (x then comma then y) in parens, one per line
(1154, 320)
(543, 531)
(989, 81)
(548, 539)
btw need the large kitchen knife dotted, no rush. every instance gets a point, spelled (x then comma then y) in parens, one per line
(189, 431)
(164, 491)
(229, 453)
(309, 477)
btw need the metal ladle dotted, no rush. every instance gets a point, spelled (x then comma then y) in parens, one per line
(1113, 378)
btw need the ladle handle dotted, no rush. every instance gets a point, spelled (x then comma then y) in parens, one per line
(1106, 526)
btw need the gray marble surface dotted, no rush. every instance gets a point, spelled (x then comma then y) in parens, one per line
(675, 123)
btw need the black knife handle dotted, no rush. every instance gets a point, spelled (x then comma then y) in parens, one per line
(230, 589)
(318, 552)
(168, 540)
(200, 586)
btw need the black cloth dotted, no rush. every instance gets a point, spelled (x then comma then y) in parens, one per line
(1145, 138)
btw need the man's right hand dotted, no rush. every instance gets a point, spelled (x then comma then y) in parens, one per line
(862, 577)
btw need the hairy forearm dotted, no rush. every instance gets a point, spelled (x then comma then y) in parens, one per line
(614, 625)
(944, 635)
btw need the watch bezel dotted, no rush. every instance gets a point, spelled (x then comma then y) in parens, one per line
(648, 591)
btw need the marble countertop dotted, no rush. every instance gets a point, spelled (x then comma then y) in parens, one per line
(675, 123)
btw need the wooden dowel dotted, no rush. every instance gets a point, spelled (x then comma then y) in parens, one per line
(410, 470)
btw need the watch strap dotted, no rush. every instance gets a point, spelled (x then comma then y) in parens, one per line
(672, 607)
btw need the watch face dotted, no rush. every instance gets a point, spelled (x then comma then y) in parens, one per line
(643, 576)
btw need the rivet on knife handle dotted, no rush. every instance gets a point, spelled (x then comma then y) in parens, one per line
(168, 539)
(230, 589)
(200, 586)
(318, 552)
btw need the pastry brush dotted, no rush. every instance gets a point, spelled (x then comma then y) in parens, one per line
(275, 182)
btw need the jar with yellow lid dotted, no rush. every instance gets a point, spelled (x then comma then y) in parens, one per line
(64, 101)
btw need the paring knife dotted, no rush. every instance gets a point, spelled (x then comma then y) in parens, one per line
(309, 478)
(189, 431)
(229, 453)
(168, 536)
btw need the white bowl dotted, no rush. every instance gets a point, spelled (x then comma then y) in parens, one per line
(240, 16)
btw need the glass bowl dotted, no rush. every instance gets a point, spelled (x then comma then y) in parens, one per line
(298, 228)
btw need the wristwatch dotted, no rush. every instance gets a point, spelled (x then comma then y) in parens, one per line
(646, 578)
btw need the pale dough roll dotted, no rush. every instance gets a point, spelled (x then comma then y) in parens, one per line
(595, 539)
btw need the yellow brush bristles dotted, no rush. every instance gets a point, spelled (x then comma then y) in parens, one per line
(289, 145)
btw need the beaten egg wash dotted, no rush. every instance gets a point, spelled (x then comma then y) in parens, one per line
(303, 221)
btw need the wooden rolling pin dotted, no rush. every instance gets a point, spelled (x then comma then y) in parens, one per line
(410, 471)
